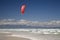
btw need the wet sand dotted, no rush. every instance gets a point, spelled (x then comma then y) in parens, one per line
(3, 36)
(28, 36)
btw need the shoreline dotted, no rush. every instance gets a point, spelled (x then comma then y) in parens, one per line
(4, 36)
(18, 35)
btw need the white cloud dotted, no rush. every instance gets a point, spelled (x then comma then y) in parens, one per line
(29, 23)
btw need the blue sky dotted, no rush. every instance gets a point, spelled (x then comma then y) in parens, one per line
(36, 10)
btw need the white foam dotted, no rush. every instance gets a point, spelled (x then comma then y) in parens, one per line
(40, 31)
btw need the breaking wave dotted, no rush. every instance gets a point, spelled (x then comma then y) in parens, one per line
(37, 31)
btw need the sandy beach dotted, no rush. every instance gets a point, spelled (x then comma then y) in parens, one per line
(8, 34)
(3, 36)
(28, 36)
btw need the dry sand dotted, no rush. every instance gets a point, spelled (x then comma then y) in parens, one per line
(3, 36)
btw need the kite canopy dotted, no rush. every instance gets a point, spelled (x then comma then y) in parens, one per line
(23, 8)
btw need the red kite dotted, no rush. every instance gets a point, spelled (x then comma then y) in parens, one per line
(23, 8)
